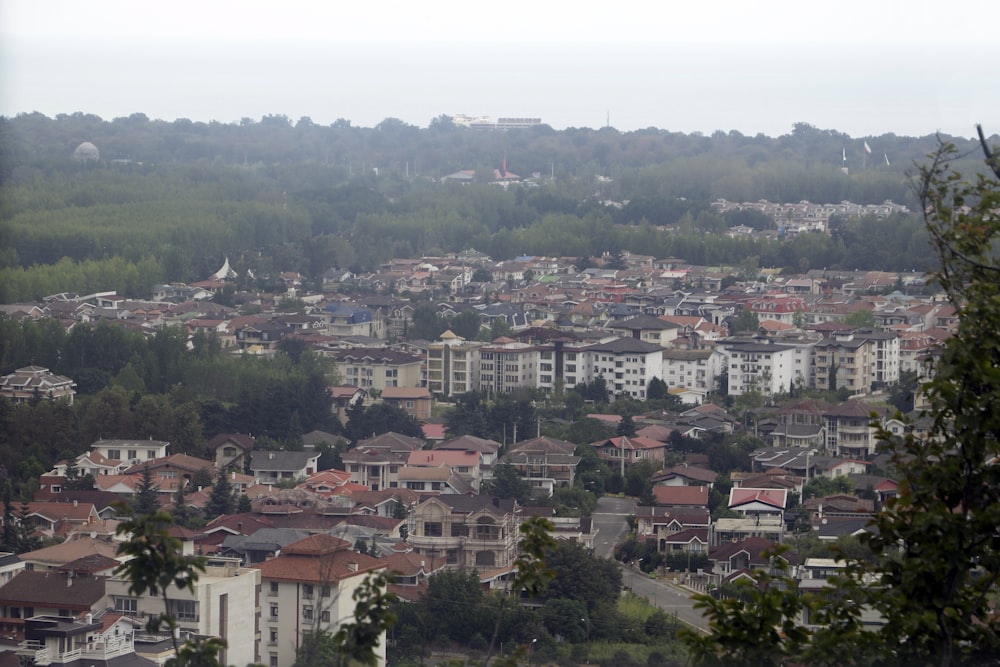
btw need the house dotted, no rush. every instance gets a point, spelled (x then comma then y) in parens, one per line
(469, 531)
(131, 452)
(414, 401)
(10, 565)
(270, 466)
(219, 606)
(545, 462)
(55, 557)
(486, 448)
(47, 593)
(104, 640)
(758, 502)
(343, 398)
(681, 496)
(376, 462)
(36, 383)
(656, 522)
(411, 571)
(622, 450)
(230, 450)
(51, 518)
(743, 556)
(309, 587)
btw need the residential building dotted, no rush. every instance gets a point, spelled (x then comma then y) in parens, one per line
(850, 431)
(378, 368)
(223, 604)
(36, 383)
(107, 641)
(648, 328)
(31, 594)
(506, 365)
(130, 452)
(376, 462)
(547, 463)
(859, 360)
(270, 466)
(453, 365)
(623, 450)
(469, 531)
(764, 367)
(696, 369)
(230, 450)
(626, 364)
(309, 587)
(414, 401)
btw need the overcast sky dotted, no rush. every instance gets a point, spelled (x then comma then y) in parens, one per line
(861, 67)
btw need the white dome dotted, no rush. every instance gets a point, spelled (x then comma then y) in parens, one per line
(86, 152)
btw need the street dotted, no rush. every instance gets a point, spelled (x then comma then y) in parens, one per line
(611, 524)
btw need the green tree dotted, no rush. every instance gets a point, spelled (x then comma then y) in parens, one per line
(508, 483)
(146, 499)
(863, 318)
(940, 562)
(222, 499)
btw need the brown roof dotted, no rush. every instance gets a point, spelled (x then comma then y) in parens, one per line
(46, 589)
(320, 559)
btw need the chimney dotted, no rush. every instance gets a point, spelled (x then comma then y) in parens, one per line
(89, 619)
(75, 502)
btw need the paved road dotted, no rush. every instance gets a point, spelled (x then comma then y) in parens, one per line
(610, 520)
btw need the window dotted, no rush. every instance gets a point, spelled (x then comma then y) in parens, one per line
(127, 606)
(274, 589)
(307, 613)
(273, 637)
(324, 616)
(325, 591)
(185, 610)
(115, 454)
(273, 662)
(274, 611)
(307, 591)
(132, 455)
(432, 529)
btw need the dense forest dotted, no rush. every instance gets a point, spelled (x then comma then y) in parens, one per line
(168, 201)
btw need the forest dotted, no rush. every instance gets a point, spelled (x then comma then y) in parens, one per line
(169, 201)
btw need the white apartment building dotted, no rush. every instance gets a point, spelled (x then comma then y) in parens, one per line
(307, 588)
(506, 365)
(452, 365)
(692, 369)
(626, 364)
(763, 367)
(223, 604)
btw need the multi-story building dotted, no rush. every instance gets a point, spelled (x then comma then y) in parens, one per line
(849, 430)
(378, 368)
(858, 360)
(469, 531)
(626, 364)
(35, 382)
(307, 588)
(453, 365)
(692, 369)
(763, 367)
(506, 365)
(223, 604)
(376, 462)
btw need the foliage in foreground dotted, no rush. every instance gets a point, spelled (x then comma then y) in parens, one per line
(936, 555)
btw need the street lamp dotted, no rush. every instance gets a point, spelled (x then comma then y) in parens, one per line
(531, 648)
(586, 623)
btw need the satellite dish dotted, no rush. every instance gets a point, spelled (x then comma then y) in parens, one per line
(93, 534)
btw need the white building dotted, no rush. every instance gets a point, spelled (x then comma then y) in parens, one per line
(763, 367)
(626, 364)
(692, 369)
(223, 604)
(307, 588)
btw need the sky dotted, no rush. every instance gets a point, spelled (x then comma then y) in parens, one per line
(865, 68)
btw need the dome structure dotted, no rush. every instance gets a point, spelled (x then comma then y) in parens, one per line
(86, 152)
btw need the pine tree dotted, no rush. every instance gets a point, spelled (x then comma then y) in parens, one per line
(146, 499)
(222, 500)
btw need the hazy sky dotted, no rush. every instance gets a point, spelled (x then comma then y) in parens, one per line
(861, 67)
